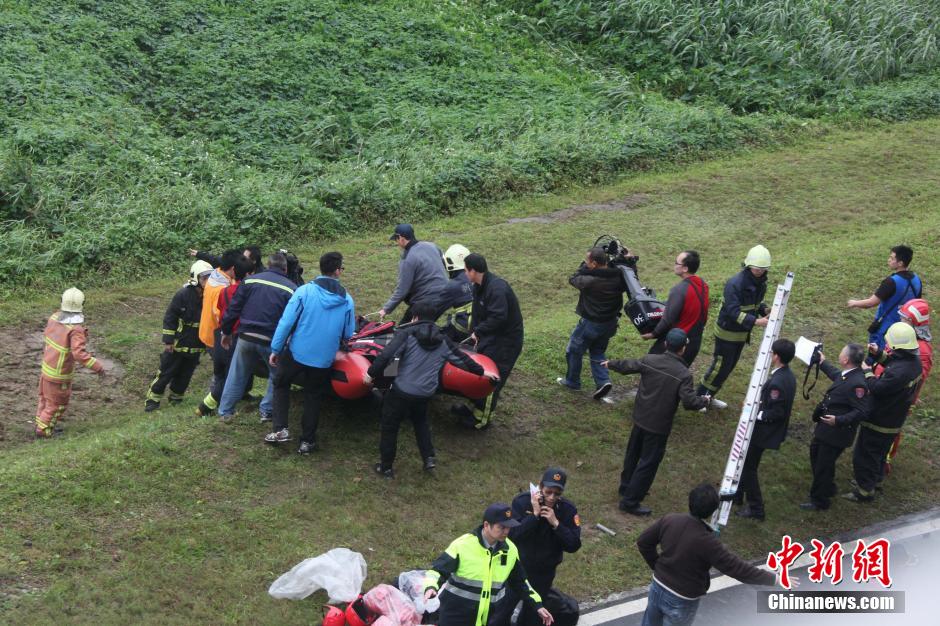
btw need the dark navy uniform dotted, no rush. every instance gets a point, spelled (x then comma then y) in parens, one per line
(496, 320)
(181, 330)
(776, 403)
(848, 399)
(542, 548)
(741, 305)
(892, 394)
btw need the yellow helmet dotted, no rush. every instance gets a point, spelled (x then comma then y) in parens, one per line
(454, 256)
(199, 267)
(901, 336)
(72, 300)
(759, 257)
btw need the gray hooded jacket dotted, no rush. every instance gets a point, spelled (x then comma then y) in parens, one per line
(422, 349)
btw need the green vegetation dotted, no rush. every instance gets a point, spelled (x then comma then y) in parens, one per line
(800, 56)
(130, 131)
(163, 518)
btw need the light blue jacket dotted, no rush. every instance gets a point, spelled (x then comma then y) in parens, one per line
(318, 316)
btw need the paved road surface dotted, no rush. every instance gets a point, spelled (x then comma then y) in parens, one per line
(914, 565)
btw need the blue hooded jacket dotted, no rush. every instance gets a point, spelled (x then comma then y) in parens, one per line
(318, 316)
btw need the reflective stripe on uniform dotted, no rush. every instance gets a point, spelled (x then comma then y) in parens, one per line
(731, 335)
(881, 429)
(211, 403)
(462, 593)
(269, 283)
(55, 374)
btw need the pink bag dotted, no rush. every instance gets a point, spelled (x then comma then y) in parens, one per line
(391, 603)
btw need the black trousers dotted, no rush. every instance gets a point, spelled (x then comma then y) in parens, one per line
(176, 370)
(315, 381)
(505, 359)
(868, 458)
(396, 408)
(749, 488)
(724, 359)
(645, 450)
(527, 617)
(822, 460)
(691, 349)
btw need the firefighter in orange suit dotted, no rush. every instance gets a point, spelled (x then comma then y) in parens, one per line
(65, 338)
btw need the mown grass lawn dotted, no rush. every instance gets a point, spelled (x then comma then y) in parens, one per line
(164, 518)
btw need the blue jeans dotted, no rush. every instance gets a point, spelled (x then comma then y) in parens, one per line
(246, 356)
(592, 338)
(664, 608)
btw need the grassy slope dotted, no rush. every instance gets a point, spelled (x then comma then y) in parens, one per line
(132, 129)
(168, 519)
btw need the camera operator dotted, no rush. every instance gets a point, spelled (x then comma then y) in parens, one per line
(742, 309)
(845, 404)
(686, 308)
(548, 527)
(599, 302)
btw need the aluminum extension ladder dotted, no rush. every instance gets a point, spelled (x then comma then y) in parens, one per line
(749, 414)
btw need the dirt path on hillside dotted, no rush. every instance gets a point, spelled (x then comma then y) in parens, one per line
(20, 357)
(625, 204)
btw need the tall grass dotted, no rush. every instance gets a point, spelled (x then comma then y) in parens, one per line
(810, 47)
(130, 131)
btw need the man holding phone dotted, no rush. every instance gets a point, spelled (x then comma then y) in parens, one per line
(548, 527)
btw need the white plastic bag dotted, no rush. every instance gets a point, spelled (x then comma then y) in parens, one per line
(412, 583)
(393, 604)
(340, 571)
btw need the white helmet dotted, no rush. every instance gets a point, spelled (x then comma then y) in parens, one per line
(454, 256)
(759, 257)
(198, 269)
(72, 300)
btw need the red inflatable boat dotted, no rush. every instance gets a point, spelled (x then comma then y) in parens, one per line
(350, 366)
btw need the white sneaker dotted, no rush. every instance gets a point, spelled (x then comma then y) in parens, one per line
(280, 436)
(718, 404)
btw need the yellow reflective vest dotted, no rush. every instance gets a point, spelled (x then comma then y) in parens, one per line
(477, 580)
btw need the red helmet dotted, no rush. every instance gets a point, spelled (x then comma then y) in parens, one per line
(357, 614)
(348, 370)
(334, 616)
(917, 311)
(456, 380)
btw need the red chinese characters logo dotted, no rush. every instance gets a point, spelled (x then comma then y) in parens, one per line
(826, 562)
(868, 561)
(871, 561)
(784, 559)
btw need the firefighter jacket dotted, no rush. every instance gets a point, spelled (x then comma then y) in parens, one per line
(848, 399)
(64, 345)
(181, 320)
(893, 391)
(776, 403)
(740, 306)
(477, 579)
(456, 301)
